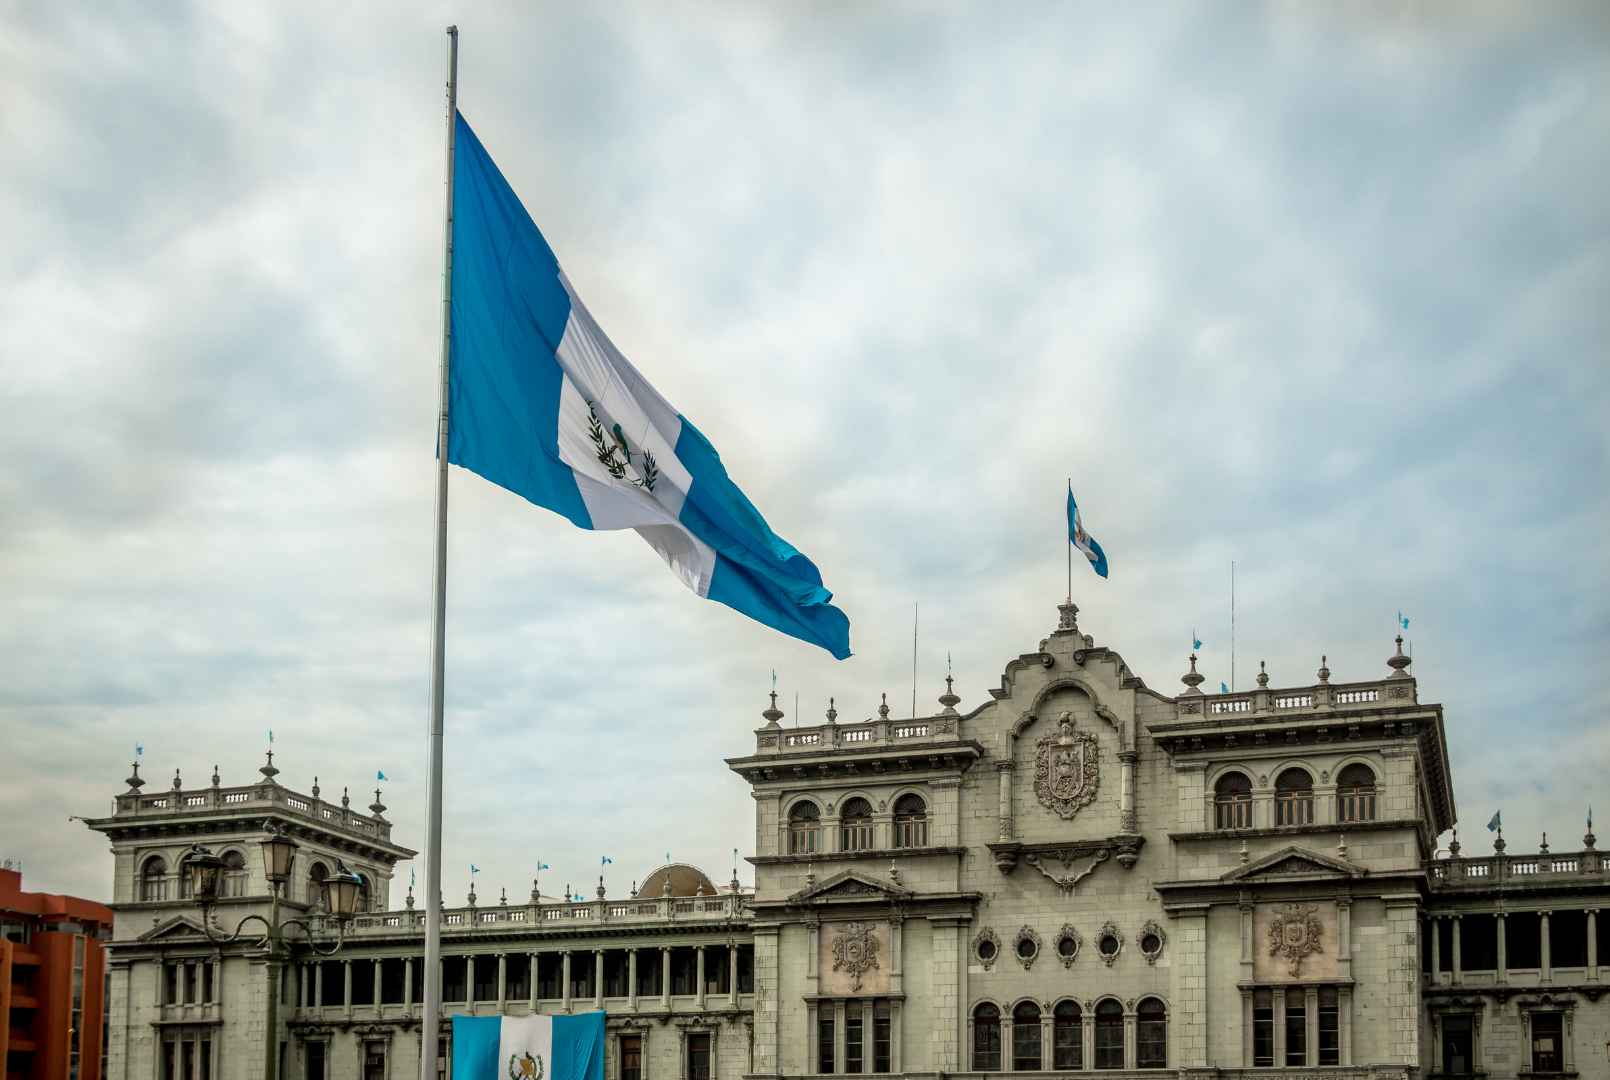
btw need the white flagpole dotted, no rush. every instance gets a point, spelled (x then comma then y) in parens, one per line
(431, 1019)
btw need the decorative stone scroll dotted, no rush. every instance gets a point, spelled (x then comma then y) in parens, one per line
(1067, 769)
(1294, 935)
(1069, 879)
(855, 951)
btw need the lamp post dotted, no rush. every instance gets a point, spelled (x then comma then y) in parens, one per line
(338, 890)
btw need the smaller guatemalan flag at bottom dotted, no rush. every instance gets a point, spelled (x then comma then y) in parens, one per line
(529, 1047)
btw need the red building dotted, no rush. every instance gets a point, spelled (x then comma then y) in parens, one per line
(52, 983)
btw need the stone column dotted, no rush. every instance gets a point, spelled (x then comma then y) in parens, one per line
(564, 980)
(1006, 1042)
(1127, 819)
(303, 984)
(346, 987)
(598, 978)
(1344, 938)
(1567, 1051)
(318, 984)
(1003, 770)
(1087, 1033)
(1458, 960)
(1279, 997)
(503, 982)
(1246, 1029)
(408, 986)
(698, 976)
(379, 965)
(1344, 1009)
(1436, 950)
(1129, 1038)
(732, 973)
(1593, 944)
(631, 979)
(1502, 974)
(897, 926)
(1046, 1040)
(766, 1002)
(531, 981)
(1547, 962)
(665, 977)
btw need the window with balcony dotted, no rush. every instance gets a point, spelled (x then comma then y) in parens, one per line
(1109, 1035)
(1294, 798)
(1232, 802)
(910, 822)
(1067, 1036)
(1355, 793)
(1548, 1041)
(986, 1038)
(804, 828)
(154, 879)
(1151, 1035)
(1026, 1037)
(855, 825)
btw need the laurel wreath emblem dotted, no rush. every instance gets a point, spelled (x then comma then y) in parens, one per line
(606, 451)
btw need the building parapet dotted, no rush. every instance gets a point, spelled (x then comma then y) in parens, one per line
(1520, 871)
(1267, 703)
(561, 917)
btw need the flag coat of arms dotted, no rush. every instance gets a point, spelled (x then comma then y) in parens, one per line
(542, 403)
(529, 1047)
(1083, 541)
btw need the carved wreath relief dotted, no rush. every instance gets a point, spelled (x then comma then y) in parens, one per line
(855, 950)
(1294, 935)
(1066, 769)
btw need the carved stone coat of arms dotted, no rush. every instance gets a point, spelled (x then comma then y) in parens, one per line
(1067, 769)
(855, 951)
(1294, 935)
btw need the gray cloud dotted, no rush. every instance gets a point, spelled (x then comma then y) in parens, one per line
(1317, 293)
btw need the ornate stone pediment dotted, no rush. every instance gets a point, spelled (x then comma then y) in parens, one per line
(850, 886)
(177, 929)
(1294, 862)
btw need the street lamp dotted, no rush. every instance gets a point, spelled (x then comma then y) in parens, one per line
(340, 894)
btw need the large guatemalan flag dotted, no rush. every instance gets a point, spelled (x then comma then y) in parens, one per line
(529, 1047)
(1082, 540)
(542, 403)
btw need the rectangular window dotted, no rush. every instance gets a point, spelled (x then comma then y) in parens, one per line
(1547, 1042)
(486, 977)
(363, 981)
(1330, 1027)
(315, 1061)
(1294, 808)
(190, 997)
(1296, 1028)
(454, 986)
(746, 969)
(1458, 1045)
(699, 1057)
(824, 1037)
(1263, 1029)
(1109, 1043)
(853, 1056)
(206, 982)
(187, 1061)
(1067, 1043)
(374, 1061)
(1026, 1044)
(880, 1037)
(631, 1057)
(204, 1059)
(170, 1061)
(1233, 812)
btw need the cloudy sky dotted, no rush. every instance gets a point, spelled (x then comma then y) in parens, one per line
(1324, 296)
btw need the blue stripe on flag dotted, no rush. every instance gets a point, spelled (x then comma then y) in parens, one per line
(508, 313)
(578, 1047)
(475, 1046)
(757, 572)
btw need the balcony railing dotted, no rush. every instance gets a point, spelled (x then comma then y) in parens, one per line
(1493, 871)
(872, 733)
(1385, 694)
(557, 916)
(131, 804)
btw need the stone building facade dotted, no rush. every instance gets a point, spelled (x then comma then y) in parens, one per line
(1079, 875)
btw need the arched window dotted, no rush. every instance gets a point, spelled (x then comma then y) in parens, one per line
(1151, 1035)
(1109, 1035)
(1232, 802)
(182, 872)
(232, 879)
(1026, 1037)
(154, 879)
(986, 1038)
(1067, 1036)
(855, 825)
(804, 828)
(1355, 793)
(315, 878)
(1294, 798)
(910, 822)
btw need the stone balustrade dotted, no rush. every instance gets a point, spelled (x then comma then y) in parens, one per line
(561, 916)
(263, 796)
(1387, 693)
(867, 735)
(1519, 870)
